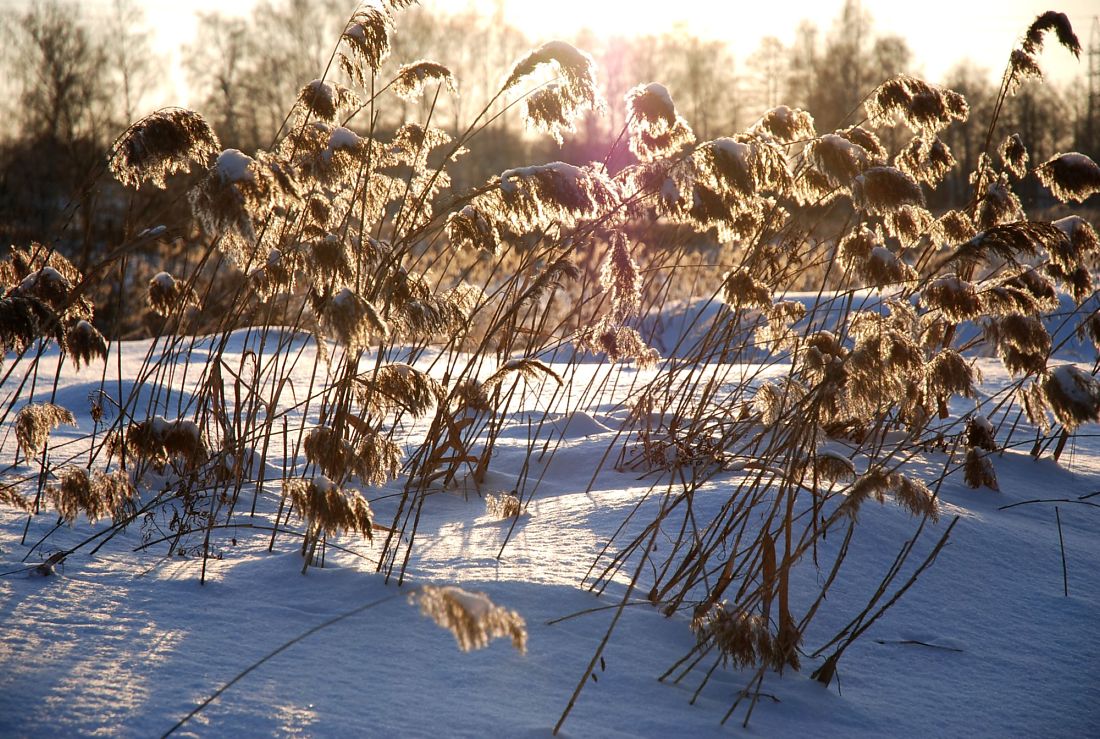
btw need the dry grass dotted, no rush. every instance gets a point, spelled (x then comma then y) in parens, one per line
(434, 313)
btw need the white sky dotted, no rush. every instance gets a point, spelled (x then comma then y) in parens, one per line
(939, 32)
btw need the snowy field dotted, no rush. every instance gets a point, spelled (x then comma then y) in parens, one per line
(126, 642)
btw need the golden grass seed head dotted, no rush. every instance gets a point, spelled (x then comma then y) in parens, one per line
(557, 104)
(472, 618)
(354, 320)
(413, 77)
(159, 440)
(1081, 246)
(979, 434)
(160, 144)
(166, 293)
(656, 129)
(927, 160)
(924, 108)
(742, 638)
(503, 505)
(619, 276)
(1073, 395)
(1010, 241)
(1014, 155)
(978, 470)
(1071, 176)
(328, 508)
(83, 342)
(1051, 21)
(326, 100)
(1022, 66)
(1022, 342)
(470, 228)
(956, 298)
(909, 223)
(22, 321)
(399, 386)
(882, 190)
(913, 495)
(619, 343)
(949, 374)
(832, 466)
(94, 494)
(787, 124)
(35, 421)
(239, 195)
(956, 226)
(367, 36)
(740, 289)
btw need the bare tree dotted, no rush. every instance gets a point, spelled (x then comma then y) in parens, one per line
(60, 71)
(131, 58)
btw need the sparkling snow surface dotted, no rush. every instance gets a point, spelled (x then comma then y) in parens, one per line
(126, 643)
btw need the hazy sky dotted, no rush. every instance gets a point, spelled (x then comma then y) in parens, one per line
(939, 32)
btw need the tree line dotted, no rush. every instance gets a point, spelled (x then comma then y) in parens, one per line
(75, 83)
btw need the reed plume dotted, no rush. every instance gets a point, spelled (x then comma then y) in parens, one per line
(1022, 342)
(913, 495)
(924, 108)
(367, 38)
(1014, 155)
(326, 100)
(238, 196)
(742, 639)
(94, 494)
(555, 106)
(978, 470)
(740, 289)
(412, 77)
(35, 421)
(1010, 241)
(926, 160)
(160, 440)
(354, 320)
(1073, 395)
(472, 618)
(83, 342)
(166, 293)
(503, 505)
(979, 434)
(883, 190)
(620, 278)
(163, 143)
(1070, 176)
(401, 386)
(656, 129)
(956, 298)
(528, 368)
(329, 509)
(787, 124)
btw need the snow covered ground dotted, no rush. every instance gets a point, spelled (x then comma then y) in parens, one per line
(127, 642)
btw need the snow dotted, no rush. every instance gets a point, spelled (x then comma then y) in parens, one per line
(659, 91)
(153, 232)
(343, 138)
(566, 171)
(234, 165)
(125, 642)
(1079, 386)
(163, 280)
(734, 149)
(45, 274)
(1070, 224)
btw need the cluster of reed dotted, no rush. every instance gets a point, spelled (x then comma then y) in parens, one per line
(433, 312)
